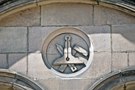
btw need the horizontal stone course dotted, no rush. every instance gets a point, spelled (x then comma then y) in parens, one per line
(13, 39)
(99, 35)
(123, 37)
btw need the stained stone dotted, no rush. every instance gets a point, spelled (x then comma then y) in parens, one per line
(105, 16)
(66, 14)
(28, 17)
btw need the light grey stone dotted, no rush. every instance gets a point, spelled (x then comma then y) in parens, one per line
(101, 65)
(131, 59)
(3, 61)
(50, 84)
(37, 68)
(18, 62)
(28, 17)
(123, 37)
(37, 35)
(119, 61)
(103, 16)
(66, 84)
(75, 84)
(99, 35)
(13, 39)
(66, 14)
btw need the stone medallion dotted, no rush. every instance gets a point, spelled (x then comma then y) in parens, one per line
(67, 51)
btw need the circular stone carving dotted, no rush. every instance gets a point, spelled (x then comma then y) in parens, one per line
(67, 52)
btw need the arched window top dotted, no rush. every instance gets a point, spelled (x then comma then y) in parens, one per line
(120, 80)
(15, 81)
(8, 7)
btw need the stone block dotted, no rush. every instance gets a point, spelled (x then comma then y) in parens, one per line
(101, 65)
(3, 61)
(50, 84)
(75, 84)
(66, 84)
(130, 85)
(131, 59)
(119, 61)
(6, 79)
(28, 17)
(18, 62)
(42, 2)
(13, 39)
(37, 68)
(37, 35)
(123, 37)
(66, 14)
(99, 35)
(118, 87)
(103, 16)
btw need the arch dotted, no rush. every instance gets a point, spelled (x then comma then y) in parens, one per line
(120, 80)
(10, 80)
(8, 7)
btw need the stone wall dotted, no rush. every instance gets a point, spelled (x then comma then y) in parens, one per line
(22, 35)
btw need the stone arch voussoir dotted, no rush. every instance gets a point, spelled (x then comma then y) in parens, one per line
(10, 79)
(120, 80)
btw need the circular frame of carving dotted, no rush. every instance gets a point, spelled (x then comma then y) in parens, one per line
(62, 31)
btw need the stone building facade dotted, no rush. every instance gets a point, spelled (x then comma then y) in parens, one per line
(36, 34)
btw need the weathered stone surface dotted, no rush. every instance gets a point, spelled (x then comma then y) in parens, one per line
(103, 16)
(99, 35)
(119, 61)
(28, 17)
(7, 79)
(13, 39)
(131, 59)
(37, 68)
(100, 66)
(66, 14)
(130, 85)
(42, 2)
(18, 62)
(118, 87)
(66, 84)
(3, 61)
(37, 35)
(123, 37)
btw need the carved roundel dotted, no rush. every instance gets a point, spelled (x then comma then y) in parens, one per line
(67, 52)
